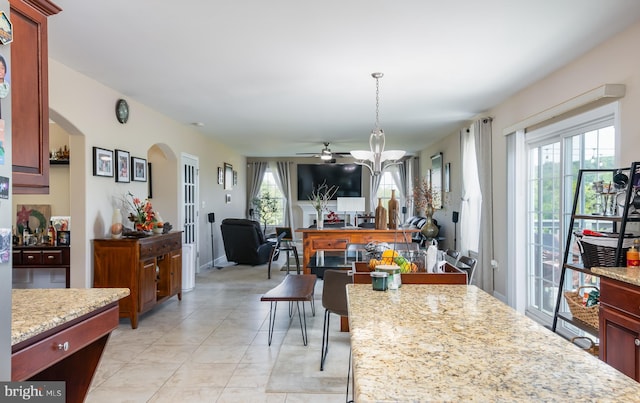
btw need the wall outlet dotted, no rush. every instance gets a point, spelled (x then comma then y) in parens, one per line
(494, 264)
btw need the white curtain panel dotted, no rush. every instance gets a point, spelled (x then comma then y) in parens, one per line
(471, 194)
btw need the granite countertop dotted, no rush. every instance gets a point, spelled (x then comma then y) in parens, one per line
(629, 275)
(35, 311)
(458, 343)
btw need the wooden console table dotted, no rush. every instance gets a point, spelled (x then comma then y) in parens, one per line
(337, 239)
(150, 267)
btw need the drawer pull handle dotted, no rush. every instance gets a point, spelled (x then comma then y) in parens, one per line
(636, 342)
(51, 257)
(30, 257)
(63, 346)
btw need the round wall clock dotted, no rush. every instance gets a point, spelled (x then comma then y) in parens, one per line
(122, 111)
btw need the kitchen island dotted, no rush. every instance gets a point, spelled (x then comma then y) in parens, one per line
(458, 343)
(59, 334)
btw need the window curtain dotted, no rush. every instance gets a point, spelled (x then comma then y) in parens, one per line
(471, 195)
(283, 180)
(255, 173)
(483, 144)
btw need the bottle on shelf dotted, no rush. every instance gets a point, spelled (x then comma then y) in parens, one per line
(633, 254)
(51, 234)
(26, 234)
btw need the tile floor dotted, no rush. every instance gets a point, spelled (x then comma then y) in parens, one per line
(212, 346)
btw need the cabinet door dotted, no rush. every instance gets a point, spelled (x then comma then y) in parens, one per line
(148, 285)
(620, 340)
(176, 271)
(30, 96)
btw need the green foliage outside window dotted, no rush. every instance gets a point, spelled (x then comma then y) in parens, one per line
(267, 208)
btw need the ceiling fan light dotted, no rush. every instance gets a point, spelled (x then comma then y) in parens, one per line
(325, 156)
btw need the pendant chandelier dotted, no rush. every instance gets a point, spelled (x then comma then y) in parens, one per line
(377, 159)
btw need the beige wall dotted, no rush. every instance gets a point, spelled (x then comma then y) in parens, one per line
(613, 62)
(84, 109)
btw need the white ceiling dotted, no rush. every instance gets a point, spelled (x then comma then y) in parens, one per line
(273, 78)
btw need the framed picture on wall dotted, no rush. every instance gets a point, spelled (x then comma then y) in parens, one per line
(102, 162)
(436, 180)
(124, 166)
(220, 176)
(138, 169)
(447, 177)
(228, 176)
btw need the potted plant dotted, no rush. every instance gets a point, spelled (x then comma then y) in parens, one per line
(267, 207)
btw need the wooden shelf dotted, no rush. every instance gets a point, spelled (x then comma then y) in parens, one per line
(58, 162)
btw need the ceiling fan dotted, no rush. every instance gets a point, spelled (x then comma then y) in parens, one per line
(326, 154)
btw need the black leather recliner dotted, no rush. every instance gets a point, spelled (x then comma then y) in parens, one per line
(244, 242)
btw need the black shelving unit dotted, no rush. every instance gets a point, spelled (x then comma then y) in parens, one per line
(619, 226)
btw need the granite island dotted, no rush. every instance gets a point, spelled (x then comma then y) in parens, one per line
(59, 334)
(458, 343)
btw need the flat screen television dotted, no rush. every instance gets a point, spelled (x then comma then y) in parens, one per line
(347, 177)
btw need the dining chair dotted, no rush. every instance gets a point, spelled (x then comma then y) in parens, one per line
(451, 256)
(288, 245)
(334, 300)
(467, 264)
(275, 250)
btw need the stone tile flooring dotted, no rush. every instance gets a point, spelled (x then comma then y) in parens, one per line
(212, 347)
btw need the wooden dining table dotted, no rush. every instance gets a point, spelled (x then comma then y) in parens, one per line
(458, 343)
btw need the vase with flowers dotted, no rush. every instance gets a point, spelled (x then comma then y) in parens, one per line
(423, 200)
(319, 198)
(141, 213)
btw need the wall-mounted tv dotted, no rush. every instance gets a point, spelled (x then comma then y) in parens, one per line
(347, 177)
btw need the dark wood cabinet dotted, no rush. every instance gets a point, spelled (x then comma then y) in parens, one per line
(41, 266)
(30, 95)
(150, 267)
(620, 326)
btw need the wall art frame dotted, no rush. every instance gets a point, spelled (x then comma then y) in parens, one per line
(447, 177)
(123, 163)
(436, 180)
(228, 176)
(220, 176)
(102, 162)
(138, 169)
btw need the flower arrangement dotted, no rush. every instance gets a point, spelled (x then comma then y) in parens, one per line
(143, 217)
(321, 195)
(332, 217)
(422, 194)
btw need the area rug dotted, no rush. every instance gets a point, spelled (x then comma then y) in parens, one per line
(297, 368)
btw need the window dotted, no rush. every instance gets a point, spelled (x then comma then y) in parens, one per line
(388, 182)
(270, 187)
(555, 154)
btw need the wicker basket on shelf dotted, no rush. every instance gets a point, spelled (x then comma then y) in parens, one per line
(600, 251)
(592, 347)
(586, 314)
